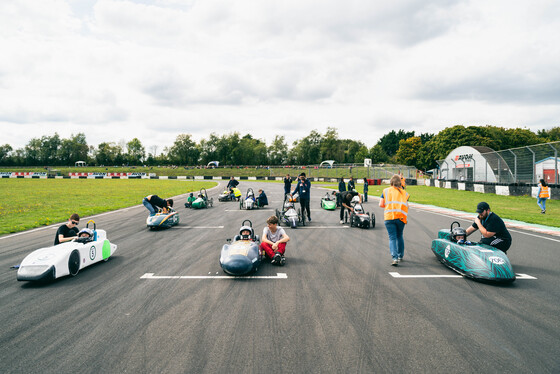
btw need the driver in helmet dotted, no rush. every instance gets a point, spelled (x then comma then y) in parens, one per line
(459, 235)
(246, 233)
(85, 235)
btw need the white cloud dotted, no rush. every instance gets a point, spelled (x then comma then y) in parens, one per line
(154, 69)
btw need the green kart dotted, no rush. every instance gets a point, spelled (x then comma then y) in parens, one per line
(202, 200)
(328, 202)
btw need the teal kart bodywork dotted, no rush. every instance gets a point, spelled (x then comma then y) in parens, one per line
(475, 260)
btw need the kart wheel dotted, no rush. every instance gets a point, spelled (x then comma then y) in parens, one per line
(74, 262)
(352, 220)
(372, 220)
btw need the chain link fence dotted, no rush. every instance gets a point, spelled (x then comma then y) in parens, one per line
(516, 165)
(376, 171)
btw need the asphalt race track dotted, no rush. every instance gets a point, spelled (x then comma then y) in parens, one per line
(162, 304)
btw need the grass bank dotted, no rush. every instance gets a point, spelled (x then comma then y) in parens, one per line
(29, 203)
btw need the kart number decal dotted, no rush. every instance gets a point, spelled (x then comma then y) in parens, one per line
(92, 252)
(497, 260)
(447, 251)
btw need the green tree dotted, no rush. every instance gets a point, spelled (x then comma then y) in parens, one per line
(390, 142)
(108, 154)
(407, 153)
(278, 151)
(378, 155)
(184, 151)
(135, 151)
(208, 149)
(4, 154)
(73, 149)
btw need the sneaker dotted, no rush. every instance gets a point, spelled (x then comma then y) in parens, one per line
(309, 219)
(276, 259)
(342, 222)
(395, 263)
(400, 259)
(282, 261)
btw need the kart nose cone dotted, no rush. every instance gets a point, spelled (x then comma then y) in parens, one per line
(237, 265)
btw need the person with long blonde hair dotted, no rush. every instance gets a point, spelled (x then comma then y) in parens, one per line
(395, 201)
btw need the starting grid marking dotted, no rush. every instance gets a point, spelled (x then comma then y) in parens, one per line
(397, 275)
(152, 276)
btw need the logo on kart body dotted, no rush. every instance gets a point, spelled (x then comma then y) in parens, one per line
(497, 260)
(92, 252)
(447, 250)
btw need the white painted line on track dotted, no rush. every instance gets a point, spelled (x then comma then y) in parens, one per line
(198, 227)
(397, 275)
(322, 227)
(246, 210)
(152, 276)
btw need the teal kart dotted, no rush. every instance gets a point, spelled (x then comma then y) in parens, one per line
(202, 201)
(473, 260)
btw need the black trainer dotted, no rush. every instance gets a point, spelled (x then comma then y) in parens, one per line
(276, 259)
(282, 261)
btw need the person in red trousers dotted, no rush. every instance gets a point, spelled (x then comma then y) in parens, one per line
(274, 241)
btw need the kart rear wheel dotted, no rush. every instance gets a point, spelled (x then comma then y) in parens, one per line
(372, 220)
(352, 220)
(74, 262)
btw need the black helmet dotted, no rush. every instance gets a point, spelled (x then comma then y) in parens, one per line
(458, 231)
(246, 228)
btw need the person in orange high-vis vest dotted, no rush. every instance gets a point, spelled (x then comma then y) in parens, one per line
(542, 194)
(395, 201)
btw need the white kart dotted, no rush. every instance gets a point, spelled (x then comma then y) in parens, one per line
(66, 258)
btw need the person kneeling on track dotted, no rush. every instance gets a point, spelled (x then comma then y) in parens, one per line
(262, 200)
(492, 228)
(190, 200)
(274, 241)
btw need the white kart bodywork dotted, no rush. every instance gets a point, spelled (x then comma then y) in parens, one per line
(62, 259)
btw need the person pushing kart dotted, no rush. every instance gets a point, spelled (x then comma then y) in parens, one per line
(153, 202)
(346, 202)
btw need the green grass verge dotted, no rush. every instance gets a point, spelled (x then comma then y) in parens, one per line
(29, 203)
(519, 208)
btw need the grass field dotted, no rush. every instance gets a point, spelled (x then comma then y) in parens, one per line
(29, 203)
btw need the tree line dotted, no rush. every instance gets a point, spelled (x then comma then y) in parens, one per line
(397, 147)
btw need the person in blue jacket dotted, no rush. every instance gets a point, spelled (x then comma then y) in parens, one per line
(303, 189)
(262, 200)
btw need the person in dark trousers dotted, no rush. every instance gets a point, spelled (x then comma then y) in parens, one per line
(492, 228)
(68, 231)
(341, 189)
(303, 189)
(287, 184)
(365, 189)
(346, 201)
(154, 202)
(351, 185)
(233, 183)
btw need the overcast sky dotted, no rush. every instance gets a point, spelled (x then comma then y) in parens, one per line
(153, 69)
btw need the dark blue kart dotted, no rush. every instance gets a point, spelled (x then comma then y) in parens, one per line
(242, 255)
(473, 260)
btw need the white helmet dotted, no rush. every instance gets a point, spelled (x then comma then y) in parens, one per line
(246, 228)
(356, 199)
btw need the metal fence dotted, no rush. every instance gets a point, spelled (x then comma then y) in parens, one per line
(516, 165)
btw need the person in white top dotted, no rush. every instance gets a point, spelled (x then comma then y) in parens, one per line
(274, 241)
